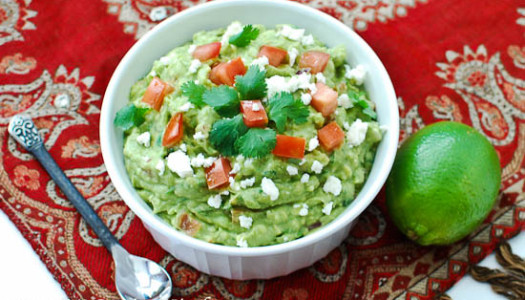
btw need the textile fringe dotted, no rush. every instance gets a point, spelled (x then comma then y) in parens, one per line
(511, 284)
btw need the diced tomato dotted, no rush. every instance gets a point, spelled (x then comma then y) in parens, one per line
(324, 100)
(155, 93)
(315, 60)
(331, 136)
(253, 117)
(218, 174)
(224, 73)
(208, 51)
(276, 56)
(174, 131)
(189, 225)
(289, 146)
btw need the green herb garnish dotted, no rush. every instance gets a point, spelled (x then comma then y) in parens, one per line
(225, 132)
(257, 142)
(252, 85)
(194, 92)
(243, 38)
(130, 116)
(283, 107)
(223, 99)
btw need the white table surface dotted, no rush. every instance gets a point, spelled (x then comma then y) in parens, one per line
(16, 273)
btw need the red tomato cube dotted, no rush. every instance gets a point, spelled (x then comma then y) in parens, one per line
(174, 131)
(253, 113)
(331, 136)
(289, 146)
(208, 51)
(315, 60)
(276, 56)
(224, 73)
(218, 174)
(324, 100)
(155, 93)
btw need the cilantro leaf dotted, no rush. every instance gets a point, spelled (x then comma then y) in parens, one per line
(359, 99)
(130, 116)
(283, 107)
(223, 99)
(194, 92)
(244, 37)
(225, 132)
(252, 85)
(256, 142)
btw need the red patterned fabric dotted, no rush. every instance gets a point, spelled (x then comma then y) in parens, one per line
(449, 60)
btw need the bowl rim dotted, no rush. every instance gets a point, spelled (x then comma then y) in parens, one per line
(151, 220)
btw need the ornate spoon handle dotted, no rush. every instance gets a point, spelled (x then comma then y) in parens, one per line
(24, 131)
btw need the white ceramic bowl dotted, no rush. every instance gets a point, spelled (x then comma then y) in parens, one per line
(257, 262)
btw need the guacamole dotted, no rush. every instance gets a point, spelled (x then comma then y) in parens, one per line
(250, 173)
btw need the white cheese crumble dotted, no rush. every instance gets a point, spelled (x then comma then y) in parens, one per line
(231, 180)
(344, 101)
(191, 49)
(194, 66)
(241, 242)
(199, 135)
(261, 62)
(236, 168)
(306, 98)
(158, 13)
(201, 161)
(161, 167)
(165, 60)
(245, 222)
(277, 84)
(215, 201)
(183, 147)
(357, 132)
(269, 188)
(307, 40)
(304, 209)
(320, 77)
(292, 170)
(179, 162)
(313, 143)
(247, 182)
(248, 162)
(291, 33)
(292, 55)
(144, 139)
(305, 178)
(317, 167)
(147, 159)
(225, 193)
(302, 162)
(186, 106)
(232, 30)
(346, 126)
(333, 185)
(357, 74)
(327, 209)
(256, 107)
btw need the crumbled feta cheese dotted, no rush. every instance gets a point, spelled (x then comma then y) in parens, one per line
(247, 182)
(236, 168)
(344, 101)
(165, 60)
(191, 49)
(231, 180)
(158, 13)
(357, 132)
(277, 84)
(317, 167)
(248, 162)
(292, 55)
(306, 98)
(144, 139)
(304, 209)
(183, 147)
(292, 170)
(269, 188)
(346, 126)
(256, 107)
(327, 209)
(320, 77)
(302, 162)
(232, 30)
(357, 74)
(194, 66)
(147, 159)
(241, 242)
(153, 73)
(261, 62)
(305, 178)
(333, 185)
(300, 82)
(215, 201)
(224, 193)
(161, 167)
(179, 162)
(245, 222)
(313, 143)
(199, 135)
(201, 161)
(291, 33)
(186, 106)
(307, 40)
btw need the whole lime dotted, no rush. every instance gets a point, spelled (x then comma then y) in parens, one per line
(443, 184)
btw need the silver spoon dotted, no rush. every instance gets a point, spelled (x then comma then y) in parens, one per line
(136, 278)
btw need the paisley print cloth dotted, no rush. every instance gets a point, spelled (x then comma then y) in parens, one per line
(449, 60)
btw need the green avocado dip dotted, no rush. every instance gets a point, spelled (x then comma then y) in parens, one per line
(248, 136)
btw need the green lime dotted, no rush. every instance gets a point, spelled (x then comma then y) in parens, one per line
(443, 184)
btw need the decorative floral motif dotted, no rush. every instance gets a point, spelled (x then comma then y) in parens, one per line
(332, 267)
(26, 178)
(369, 229)
(14, 17)
(186, 280)
(409, 120)
(80, 147)
(16, 64)
(518, 55)
(295, 294)
(239, 290)
(444, 108)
